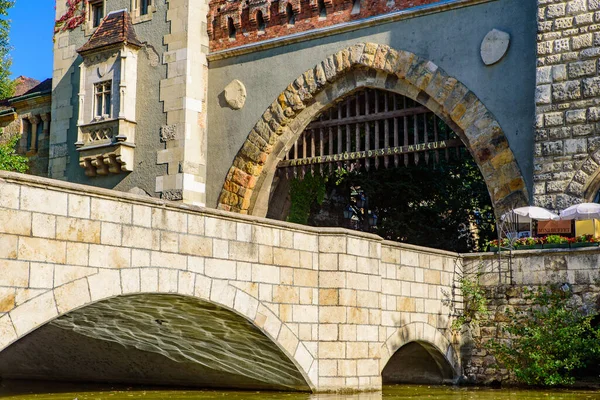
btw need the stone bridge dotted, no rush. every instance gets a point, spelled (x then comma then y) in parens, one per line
(99, 285)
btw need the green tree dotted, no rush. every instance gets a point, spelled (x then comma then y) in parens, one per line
(305, 194)
(9, 159)
(7, 85)
(429, 206)
(550, 342)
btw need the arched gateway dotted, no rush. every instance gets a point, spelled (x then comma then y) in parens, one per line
(368, 65)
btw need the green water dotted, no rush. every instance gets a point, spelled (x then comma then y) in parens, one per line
(40, 391)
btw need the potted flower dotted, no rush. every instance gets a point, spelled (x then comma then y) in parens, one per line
(491, 245)
(556, 242)
(528, 243)
(584, 241)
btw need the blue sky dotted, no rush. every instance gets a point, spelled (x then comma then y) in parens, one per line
(31, 38)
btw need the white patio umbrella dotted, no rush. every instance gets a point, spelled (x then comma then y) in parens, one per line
(581, 211)
(526, 214)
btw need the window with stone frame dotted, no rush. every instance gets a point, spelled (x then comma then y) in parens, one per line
(102, 100)
(96, 12)
(142, 10)
(145, 6)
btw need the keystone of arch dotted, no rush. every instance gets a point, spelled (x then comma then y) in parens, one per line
(249, 178)
(423, 333)
(48, 306)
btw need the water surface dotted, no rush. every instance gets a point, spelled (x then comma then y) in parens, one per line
(48, 391)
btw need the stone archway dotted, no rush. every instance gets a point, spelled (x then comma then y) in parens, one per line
(423, 333)
(300, 368)
(247, 185)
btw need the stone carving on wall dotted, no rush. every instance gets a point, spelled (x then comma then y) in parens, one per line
(168, 132)
(494, 46)
(235, 94)
(153, 57)
(172, 195)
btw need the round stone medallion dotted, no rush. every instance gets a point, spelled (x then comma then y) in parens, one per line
(494, 46)
(235, 94)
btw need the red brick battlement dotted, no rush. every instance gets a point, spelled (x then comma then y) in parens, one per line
(244, 17)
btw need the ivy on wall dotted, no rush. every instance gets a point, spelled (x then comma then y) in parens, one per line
(74, 17)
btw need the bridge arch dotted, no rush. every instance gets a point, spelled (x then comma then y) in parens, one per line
(430, 341)
(369, 65)
(192, 288)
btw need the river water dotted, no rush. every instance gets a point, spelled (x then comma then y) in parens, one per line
(40, 391)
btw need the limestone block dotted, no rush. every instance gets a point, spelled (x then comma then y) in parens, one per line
(306, 242)
(141, 238)
(111, 234)
(169, 220)
(43, 225)
(222, 269)
(303, 357)
(42, 276)
(33, 313)
(222, 293)
(286, 257)
(244, 232)
(332, 314)
(242, 251)
(266, 273)
(169, 242)
(149, 280)
(140, 258)
(43, 200)
(220, 228)
(305, 313)
(68, 273)
(357, 281)
(130, 280)
(266, 236)
(44, 250)
(15, 222)
(8, 246)
(106, 283)
(79, 206)
(72, 295)
(168, 280)
(109, 256)
(78, 230)
(10, 195)
(409, 258)
(359, 247)
(287, 340)
(331, 244)
(494, 46)
(245, 305)
(142, 216)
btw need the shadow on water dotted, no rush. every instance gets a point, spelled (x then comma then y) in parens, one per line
(22, 390)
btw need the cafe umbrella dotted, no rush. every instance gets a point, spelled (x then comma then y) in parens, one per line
(512, 218)
(583, 211)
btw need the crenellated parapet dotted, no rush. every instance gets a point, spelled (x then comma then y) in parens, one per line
(240, 22)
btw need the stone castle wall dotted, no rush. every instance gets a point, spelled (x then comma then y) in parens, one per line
(567, 139)
(506, 290)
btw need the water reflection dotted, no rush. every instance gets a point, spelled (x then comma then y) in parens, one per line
(51, 391)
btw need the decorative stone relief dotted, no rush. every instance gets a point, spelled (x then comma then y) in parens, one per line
(153, 57)
(235, 94)
(173, 195)
(494, 46)
(168, 132)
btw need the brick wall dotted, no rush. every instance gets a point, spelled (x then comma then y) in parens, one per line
(307, 17)
(567, 97)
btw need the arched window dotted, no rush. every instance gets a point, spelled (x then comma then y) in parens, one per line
(231, 28)
(291, 17)
(260, 21)
(355, 7)
(322, 9)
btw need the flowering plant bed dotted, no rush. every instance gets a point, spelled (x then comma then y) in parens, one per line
(583, 241)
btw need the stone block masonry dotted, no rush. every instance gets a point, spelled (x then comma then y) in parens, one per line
(338, 303)
(567, 140)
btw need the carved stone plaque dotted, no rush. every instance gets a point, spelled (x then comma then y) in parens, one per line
(235, 94)
(494, 46)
